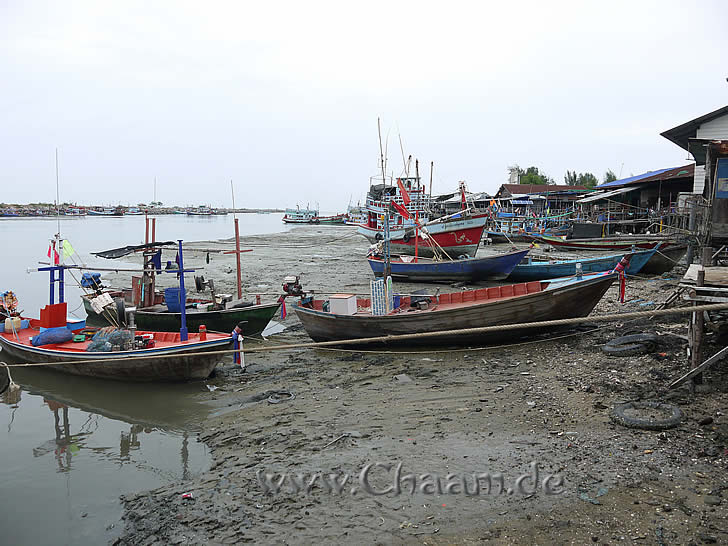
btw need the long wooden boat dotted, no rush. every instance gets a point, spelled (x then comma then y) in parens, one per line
(190, 361)
(499, 305)
(335, 220)
(533, 270)
(666, 257)
(496, 267)
(602, 244)
(160, 318)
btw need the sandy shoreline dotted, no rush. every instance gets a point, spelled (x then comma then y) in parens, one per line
(444, 412)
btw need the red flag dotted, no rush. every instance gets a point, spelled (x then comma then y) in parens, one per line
(56, 257)
(403, 192)
(400, 209)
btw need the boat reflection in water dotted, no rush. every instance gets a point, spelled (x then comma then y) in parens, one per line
(91, 441)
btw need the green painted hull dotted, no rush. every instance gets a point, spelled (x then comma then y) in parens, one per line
(225, 320)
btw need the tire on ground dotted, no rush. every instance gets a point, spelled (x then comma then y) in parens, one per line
(619, 416)
(633, 345)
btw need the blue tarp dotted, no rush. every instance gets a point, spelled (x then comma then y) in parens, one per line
(636, 178)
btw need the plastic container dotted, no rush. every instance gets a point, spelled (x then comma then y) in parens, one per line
(397, 301)
(12, 323)
(173, 300)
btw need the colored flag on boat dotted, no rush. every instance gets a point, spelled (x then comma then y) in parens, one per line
(399, 209)
(68, 250)
(403, 192)
(56, 258)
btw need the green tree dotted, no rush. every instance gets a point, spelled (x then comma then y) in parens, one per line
(609, 176)
(587, 179)
(533, 176)
(571, 178)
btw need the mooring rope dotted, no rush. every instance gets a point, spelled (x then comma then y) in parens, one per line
(402, 337)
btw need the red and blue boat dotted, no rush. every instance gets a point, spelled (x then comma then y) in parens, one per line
(407, 268)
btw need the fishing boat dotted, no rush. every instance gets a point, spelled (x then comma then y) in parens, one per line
(108, 211)
(191, 356)
(139, 356)
(601, 244)
(532, 270)
(499, 305)
(334, 220)
(161, 311)
(406, 206)
(202, 210)
(665, 258)
(214, 316)
(300, 216)
(496, 267)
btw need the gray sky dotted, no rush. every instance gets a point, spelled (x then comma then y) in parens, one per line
(283, 97)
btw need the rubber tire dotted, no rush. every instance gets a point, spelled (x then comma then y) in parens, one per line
(633, 345)
(378, 237)
(120, 311)
(406, 237)
(619, 416)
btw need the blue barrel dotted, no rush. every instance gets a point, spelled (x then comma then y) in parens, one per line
(173, 300)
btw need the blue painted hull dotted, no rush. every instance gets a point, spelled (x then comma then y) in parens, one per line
(473, 269)
(538, 271)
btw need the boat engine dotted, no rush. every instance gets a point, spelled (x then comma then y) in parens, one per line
(292, 286)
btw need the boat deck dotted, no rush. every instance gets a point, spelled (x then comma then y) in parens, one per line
(161, 339)
(454, 299)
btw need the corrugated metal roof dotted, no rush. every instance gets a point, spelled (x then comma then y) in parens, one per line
(686, 171)
(604, 195)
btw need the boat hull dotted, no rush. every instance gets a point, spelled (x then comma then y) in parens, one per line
(604, 244)
(665, 259)
(456, 238)
(569, 300)
(153, 364)
(538, 271)
(257, 318)
(495, 267)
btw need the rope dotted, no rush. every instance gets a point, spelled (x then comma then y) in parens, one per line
(402, 337)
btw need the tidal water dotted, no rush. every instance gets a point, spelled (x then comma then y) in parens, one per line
(70, 446)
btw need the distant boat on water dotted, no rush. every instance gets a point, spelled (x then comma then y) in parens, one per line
(300, 216)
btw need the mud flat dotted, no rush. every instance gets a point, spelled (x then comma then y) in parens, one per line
(433, 420)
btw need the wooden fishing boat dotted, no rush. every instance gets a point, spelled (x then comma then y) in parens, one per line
(494, 267)
(171, 359)
(218, 313)
(602, 244)
(159, 317)
(666, 257)
(132, 355)
(499, 305)
(532, 270)
(458, 234)
(335, 220)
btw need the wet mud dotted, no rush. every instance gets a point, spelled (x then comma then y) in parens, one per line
(388, 446)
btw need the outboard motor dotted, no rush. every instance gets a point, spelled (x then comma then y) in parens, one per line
(292, 286)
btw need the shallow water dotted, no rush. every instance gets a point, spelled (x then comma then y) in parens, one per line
(70, 446)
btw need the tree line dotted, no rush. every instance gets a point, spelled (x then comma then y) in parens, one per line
(532, 175)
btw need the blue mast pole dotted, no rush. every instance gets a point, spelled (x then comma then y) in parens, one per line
(183, 335)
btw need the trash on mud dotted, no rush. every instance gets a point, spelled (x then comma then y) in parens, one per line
(281, 396)
(600, 493)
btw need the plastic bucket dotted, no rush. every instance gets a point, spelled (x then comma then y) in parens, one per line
(173, 300)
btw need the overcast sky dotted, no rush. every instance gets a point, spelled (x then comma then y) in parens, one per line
(283, 97)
